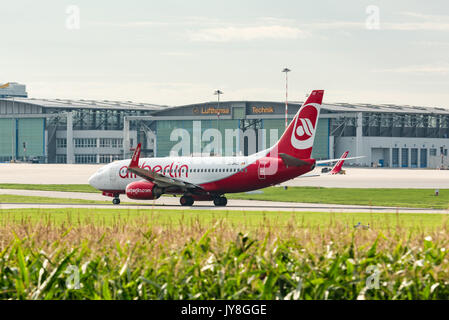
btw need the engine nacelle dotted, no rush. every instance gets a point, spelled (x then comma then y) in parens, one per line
(142, 190)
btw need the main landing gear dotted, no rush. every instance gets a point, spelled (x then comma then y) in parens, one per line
(116, 199)
(220, 201)
(186, 201)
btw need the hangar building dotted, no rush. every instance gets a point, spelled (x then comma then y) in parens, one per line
(88, 131)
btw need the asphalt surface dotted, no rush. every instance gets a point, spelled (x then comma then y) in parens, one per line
(173, 203)
(354, 177)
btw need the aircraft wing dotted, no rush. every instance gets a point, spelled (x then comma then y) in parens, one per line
(157, 178)
(338, 159)
(336, 169)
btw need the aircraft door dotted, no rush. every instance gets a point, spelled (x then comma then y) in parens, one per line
(262, 167)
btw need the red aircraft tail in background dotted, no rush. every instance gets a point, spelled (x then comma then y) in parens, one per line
(337, 168)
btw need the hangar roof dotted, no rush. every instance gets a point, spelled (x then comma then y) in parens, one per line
(129, 105)
(90, 104)
(363, 107)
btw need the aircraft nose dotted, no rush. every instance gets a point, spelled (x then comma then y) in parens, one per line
(94, 180)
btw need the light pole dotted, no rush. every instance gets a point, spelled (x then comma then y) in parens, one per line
(217, 93)
(286, 70)
(12, 134)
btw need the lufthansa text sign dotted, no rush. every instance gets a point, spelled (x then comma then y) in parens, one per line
(210, 110)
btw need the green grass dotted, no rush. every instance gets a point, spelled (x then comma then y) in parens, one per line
(413, 198)
(178, 217)
(51, 187)
(11, 198)
(131, 254)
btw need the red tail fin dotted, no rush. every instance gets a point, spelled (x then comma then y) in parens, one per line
(337, 168)
(135, 159)
(297, 140)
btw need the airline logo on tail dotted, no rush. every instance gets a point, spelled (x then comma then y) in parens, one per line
(304, 129)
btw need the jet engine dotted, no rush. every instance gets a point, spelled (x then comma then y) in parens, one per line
(143, 190)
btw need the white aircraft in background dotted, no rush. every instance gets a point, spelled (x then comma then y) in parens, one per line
(209, 178)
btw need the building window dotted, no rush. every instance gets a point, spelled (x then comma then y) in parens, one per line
(61, 158)
(105, 158)
(61, 143)
(105, 142)
(117, 143)
(433, 152)
(85, 158)
(85, 142)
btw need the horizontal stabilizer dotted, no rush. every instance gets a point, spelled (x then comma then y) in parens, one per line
(291, 161)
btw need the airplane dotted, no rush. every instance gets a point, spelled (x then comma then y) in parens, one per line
(210, 178)
(337, 168)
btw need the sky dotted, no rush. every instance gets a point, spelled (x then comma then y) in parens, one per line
(179, 52)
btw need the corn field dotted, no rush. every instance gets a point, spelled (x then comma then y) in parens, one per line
(140, 259)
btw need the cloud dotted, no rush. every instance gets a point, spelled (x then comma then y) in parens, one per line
(420, 15)
(438, 69)
(246, 33)
(431, 43)
(166, 22)
(416, 26)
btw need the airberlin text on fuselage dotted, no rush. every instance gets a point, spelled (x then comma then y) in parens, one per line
(174, 171)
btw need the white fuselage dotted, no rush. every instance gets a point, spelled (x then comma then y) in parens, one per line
(195, 170)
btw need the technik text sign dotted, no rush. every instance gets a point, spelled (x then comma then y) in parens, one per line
(210, 110)
(259, 110)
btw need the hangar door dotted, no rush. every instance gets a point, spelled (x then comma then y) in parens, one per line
(7, 134)
(32, 133)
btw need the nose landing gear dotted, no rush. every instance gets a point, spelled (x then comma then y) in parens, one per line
(116, 199)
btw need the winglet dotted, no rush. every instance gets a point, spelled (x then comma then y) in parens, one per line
(337, 168)
(135, 159)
